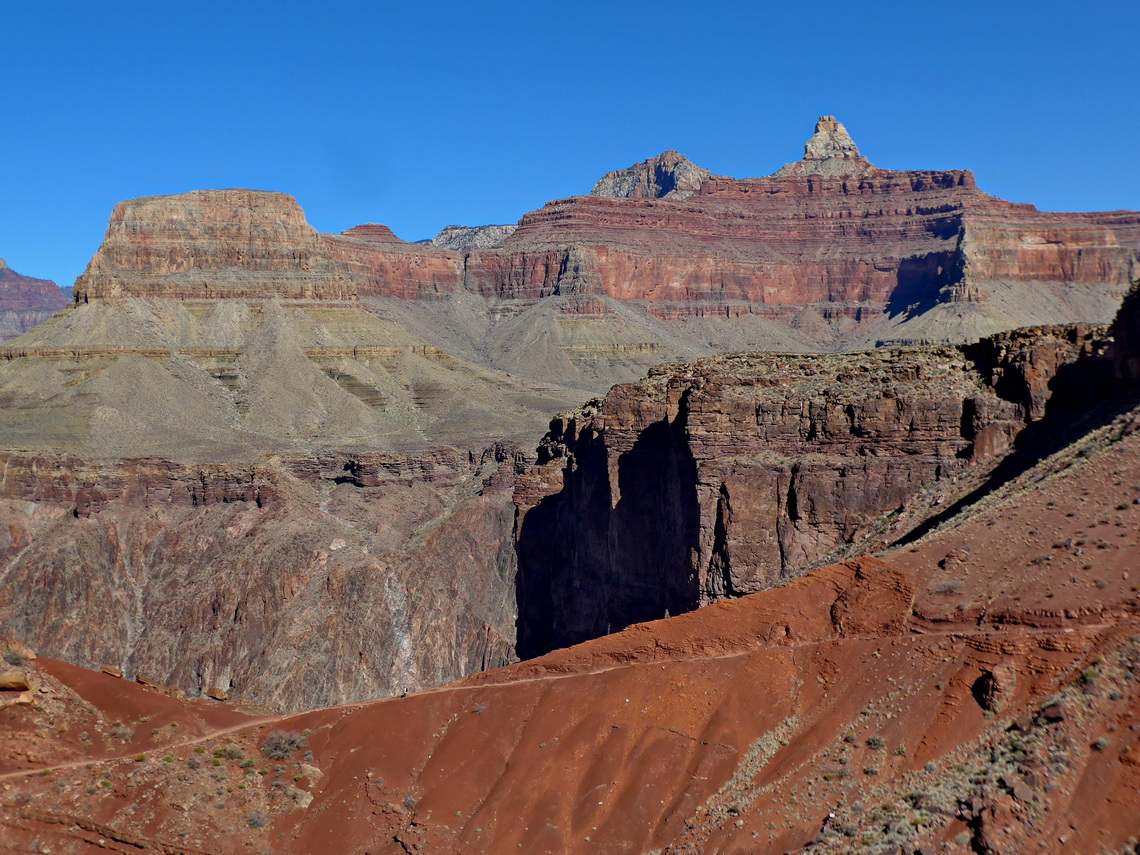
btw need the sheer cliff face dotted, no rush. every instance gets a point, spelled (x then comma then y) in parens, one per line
(728, 476)
(25, 302)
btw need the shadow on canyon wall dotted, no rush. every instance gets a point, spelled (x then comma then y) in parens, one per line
(591, 563)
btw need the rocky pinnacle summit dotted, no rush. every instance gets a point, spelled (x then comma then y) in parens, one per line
(830, 140)
(669, 175)
(830, 151)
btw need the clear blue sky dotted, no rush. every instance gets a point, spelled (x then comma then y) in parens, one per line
(419, 116)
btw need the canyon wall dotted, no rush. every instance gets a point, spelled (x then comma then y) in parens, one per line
(728, 476)
(869, 251)
(295, 582)
(170, 435)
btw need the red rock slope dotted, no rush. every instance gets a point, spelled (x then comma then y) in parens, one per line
(973, 692)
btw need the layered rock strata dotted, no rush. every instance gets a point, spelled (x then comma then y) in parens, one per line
(257, 339)
(381, 264)
(830, 249)
(293, 582)
(26, 301)
(730, 475)
(871, 250)
(212, 244)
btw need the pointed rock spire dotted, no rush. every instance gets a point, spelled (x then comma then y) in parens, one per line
(830, 140)
(830, 151)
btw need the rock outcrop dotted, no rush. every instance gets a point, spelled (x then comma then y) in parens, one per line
(212, 244)
(830, 151)
(730, 475)
(904, 703)
(670, 175)
(26, 302)
(1126, 337)
(472, 237)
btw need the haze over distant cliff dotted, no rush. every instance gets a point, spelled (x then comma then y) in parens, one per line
(25, 301)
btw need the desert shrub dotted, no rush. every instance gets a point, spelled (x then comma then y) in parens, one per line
(12, 657)
(256, 820)
(950, 586)
(228, 752)
(876, 743)
(120, 732)
(281, 744)
(193, 763)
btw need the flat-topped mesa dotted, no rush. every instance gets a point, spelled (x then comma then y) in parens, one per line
(830, 151)
(670, 175)
(211, 244)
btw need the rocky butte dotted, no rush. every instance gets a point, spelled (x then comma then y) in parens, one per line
(297, 467)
